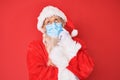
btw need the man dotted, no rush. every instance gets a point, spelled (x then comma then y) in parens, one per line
(59, 56)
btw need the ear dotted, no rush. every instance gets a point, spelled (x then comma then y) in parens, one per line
(63, 24)
(43, 29)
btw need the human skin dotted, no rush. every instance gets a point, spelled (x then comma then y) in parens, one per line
(50, 20)
(48, 41)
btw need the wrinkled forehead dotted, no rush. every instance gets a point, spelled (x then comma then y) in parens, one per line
(52, 18)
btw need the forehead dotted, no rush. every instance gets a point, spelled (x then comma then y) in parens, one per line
(53, 17)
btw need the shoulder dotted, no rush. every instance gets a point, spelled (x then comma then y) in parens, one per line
(36, 50)
(35, 44)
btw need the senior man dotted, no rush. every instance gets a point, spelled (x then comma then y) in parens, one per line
(60, 55)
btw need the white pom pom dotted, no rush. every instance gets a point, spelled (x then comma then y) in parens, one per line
(74, 33)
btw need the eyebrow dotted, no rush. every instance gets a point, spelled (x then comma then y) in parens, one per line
(55, 18)
(58, 18)
(46, 20)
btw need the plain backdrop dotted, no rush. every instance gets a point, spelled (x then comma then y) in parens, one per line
(98, 22)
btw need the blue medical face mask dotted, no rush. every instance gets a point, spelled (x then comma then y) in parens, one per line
(54, 29)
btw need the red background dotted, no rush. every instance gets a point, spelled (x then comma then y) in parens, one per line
(98, 22)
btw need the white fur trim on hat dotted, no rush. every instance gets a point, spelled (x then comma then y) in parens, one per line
(49, 11)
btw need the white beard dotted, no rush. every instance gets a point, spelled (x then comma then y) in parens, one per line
(61, 56)
(49, 42)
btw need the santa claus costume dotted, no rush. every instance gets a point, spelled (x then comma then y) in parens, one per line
(70, 55)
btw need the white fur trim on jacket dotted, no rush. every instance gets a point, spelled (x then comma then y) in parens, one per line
(65, 74)
(74, 33)
(63, 53)
(59, 58)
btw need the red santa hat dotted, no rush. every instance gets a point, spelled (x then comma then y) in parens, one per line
(49, 11)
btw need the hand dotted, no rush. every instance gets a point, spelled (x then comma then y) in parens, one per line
(64, 35)
(66, 39)
(70, 46)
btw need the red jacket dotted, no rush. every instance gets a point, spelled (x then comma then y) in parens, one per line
(81, 65)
